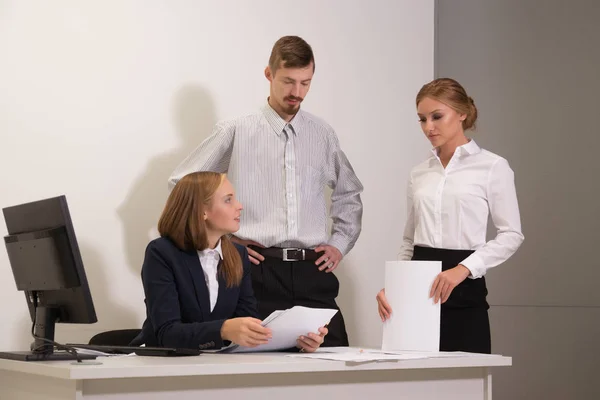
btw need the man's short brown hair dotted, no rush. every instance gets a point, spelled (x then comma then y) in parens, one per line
(291, 52)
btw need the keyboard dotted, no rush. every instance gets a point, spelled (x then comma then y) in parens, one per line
(140, 351)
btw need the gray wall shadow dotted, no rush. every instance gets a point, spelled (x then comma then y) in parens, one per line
(111, 314)
(194, 117)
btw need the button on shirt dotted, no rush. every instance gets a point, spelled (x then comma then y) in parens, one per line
(279, 170)
(209, 259)
(449, 207)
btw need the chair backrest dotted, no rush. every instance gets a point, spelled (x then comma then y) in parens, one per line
(120, 337)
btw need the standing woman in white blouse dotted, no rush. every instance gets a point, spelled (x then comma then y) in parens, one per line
(450, 196)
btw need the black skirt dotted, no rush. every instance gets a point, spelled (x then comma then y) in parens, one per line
(464, 323)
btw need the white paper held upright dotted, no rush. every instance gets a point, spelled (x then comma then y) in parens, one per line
(415, 320)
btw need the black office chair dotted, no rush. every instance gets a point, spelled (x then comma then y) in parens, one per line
(119, 337)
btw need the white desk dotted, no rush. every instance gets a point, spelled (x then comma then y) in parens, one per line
(248, 377)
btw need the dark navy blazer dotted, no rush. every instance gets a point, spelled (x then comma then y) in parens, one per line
(177, 300)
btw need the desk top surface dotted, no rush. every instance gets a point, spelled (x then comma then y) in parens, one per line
(232, 364)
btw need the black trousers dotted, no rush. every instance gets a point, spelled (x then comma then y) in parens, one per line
(465, 324)
(279, 285)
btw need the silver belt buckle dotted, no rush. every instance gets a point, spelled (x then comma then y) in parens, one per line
(285, 254)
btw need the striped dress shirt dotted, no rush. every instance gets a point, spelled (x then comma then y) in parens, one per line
(279, 171)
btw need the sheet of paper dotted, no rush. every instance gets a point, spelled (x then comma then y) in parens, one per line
(365, 354)
(271, 317)
(97, 353)
(366, 357)
(436, 354)
(415, 320)
(357, 355)
(287, 326)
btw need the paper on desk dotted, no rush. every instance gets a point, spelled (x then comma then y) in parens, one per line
(358, 355)
(415, 319)
(287, 326)
(95, 352)
(436, 354)
(364, 354)
(421, 354)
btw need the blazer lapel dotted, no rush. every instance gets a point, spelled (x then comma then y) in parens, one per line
(197, 278)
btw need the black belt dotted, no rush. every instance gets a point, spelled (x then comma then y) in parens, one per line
(450, 258)
(288, 254)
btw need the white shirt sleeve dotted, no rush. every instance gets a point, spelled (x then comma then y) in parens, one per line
(504, 209)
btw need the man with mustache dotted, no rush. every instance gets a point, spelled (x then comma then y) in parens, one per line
(280, 159)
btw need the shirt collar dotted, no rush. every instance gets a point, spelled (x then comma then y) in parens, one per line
(278, 123)
(466, 149)
(207, 251)
(470, 147)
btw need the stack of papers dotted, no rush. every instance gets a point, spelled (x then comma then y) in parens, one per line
(286, 326)
(357, 355)
(98, 353)
(354, 354)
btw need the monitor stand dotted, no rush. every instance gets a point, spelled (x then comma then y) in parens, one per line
(42, 349)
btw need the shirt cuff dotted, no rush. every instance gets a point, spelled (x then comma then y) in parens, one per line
(340, 244)
(476, 265)
(406, 253)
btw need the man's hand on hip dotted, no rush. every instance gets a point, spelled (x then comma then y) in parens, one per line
(254, 256)
(330, 259)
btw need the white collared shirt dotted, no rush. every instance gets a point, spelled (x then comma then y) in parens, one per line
(209, 259)
(449, 207)
(279, 170)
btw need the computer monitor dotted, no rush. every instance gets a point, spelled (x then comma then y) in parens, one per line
(47, 266)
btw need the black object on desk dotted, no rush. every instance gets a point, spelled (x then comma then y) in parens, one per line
(140, 351)
(38, 356)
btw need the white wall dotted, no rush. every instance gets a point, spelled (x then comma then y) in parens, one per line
(101, 100)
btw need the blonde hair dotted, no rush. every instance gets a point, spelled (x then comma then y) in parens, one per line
(181, 220)
(451, 93)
